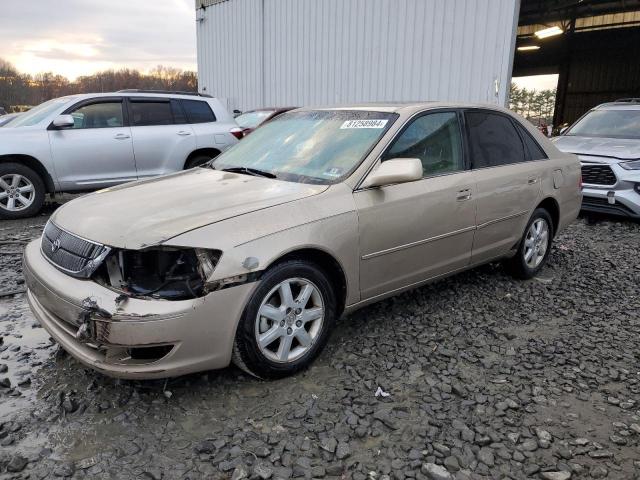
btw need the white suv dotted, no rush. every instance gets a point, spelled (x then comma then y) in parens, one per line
(607, 141)
(91, 141)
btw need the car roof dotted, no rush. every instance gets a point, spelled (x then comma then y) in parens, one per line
(625, 104)
(408, 107)
(81, 96)
(270, 109)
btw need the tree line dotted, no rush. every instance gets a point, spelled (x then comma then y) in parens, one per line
(535, 105)
(19, 91)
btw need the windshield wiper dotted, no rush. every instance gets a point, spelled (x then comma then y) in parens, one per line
(249, 171)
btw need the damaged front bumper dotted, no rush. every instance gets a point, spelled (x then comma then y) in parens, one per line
(132, 337)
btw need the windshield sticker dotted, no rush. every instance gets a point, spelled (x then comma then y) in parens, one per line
(333, 172)
(364, 124)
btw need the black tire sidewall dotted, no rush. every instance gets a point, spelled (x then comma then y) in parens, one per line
(246, 342)
(38, 184)
(197, 161)
(523, 269)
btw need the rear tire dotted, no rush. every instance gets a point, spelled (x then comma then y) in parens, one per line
(534, 248)
(22, 191)
(287, 321)
(198, 160)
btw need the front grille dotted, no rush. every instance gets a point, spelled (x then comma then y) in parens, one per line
(72, 254)
(598, 175)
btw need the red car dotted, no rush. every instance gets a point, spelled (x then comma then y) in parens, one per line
(249, 121)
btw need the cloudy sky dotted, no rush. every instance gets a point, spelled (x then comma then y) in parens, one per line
(79, 37)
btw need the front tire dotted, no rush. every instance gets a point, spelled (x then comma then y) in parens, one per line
(22, 191)
(198, 160)
(534, 248)
(287, 321)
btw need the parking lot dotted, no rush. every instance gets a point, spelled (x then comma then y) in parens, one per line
(478, 376)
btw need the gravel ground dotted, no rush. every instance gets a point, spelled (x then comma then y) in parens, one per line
(478, 376)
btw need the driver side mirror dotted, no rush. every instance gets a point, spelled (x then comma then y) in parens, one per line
(563, 129)
(63, 121)
(396, 170)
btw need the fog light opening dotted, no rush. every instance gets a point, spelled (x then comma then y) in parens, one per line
(150, 353)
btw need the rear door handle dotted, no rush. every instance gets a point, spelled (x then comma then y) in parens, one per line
(121, 136)
(463, 195)
(533, 180)
(183, 133)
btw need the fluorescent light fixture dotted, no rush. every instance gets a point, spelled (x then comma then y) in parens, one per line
(528, 48)
(549, 32)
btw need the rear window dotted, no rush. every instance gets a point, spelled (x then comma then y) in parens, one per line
(151, 113)
(535, 151)
(198, 111)
(494, 140)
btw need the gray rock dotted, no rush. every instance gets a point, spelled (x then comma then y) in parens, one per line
(343, 450)
(263, 470)
(17, 464)
(562, 475)
(329, 444)
(435, 472)
(485, 455)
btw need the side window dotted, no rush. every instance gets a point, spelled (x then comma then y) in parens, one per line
(435, 139)
(198, 111)
(98, 115)
(145, 113)
(178, 114)
(493, 139)
(535, 151)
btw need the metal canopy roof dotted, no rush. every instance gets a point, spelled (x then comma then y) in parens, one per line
(544, 11)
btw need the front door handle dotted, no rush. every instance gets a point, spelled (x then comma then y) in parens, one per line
(121, 136)
(183, 133)
(533, 180)
(463, 195)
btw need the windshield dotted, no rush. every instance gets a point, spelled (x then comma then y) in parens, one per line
(608, 123)
(253, 119)
(309, 146)
(39, 113)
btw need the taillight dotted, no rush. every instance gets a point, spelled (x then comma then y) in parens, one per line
(237, 132)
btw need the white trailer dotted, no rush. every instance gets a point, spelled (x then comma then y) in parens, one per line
(263, 53)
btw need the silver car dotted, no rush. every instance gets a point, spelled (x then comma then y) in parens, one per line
(607, 141)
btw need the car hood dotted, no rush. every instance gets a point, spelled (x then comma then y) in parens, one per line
(152, 211)
(624, 149)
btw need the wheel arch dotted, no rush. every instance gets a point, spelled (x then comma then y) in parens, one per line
(550, 204)
(34, 164)
(326, 262)
(214, 152)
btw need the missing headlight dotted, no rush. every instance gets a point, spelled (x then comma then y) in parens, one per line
(166, 273)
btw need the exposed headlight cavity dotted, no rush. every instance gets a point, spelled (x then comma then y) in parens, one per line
(166, 273)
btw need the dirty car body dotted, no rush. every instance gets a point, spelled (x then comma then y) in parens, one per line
(317, 213)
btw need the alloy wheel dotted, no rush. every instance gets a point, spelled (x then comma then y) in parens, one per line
(16, 192)
(536, 243)
(289, 320)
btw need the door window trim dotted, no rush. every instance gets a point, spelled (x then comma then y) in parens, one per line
(93, 101)
(400, 131)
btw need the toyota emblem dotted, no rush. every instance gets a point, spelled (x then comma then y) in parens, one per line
(55, 246)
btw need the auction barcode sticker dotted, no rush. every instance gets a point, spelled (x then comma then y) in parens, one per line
(364, 124)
